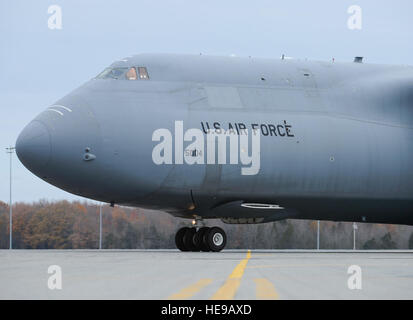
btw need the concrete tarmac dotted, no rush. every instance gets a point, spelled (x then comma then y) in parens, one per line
(231, 274)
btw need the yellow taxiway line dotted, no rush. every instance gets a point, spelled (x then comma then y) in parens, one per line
(230, 287)
(188, 292)
(265, 290)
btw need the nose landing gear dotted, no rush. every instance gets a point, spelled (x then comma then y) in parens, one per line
(202, 239)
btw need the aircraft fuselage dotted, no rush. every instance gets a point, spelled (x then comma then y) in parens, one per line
(336, 139)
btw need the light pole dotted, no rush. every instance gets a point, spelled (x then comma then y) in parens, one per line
(354, 235)
(318, 234)
(10, 150)
(100, 226)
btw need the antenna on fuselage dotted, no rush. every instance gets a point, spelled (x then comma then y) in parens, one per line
(358, 60)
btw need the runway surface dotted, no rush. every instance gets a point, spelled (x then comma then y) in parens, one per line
(231, 274)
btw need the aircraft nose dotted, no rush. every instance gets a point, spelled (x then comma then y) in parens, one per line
(33, 146)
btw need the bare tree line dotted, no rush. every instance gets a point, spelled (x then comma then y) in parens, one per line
(75, 225)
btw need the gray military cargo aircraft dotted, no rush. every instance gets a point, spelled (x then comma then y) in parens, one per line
(335, 141)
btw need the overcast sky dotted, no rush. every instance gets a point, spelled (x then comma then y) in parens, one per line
(39, 64)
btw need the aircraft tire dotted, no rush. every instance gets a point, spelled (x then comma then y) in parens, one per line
(179, 239)
(188, 239)
(216, 239)
(199, 239)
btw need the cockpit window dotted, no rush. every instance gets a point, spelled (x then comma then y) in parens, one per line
(112, 73)
(143, 73)
(128, 73)
(131, 74)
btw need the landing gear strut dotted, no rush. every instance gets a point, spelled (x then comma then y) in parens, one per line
(201, 239)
